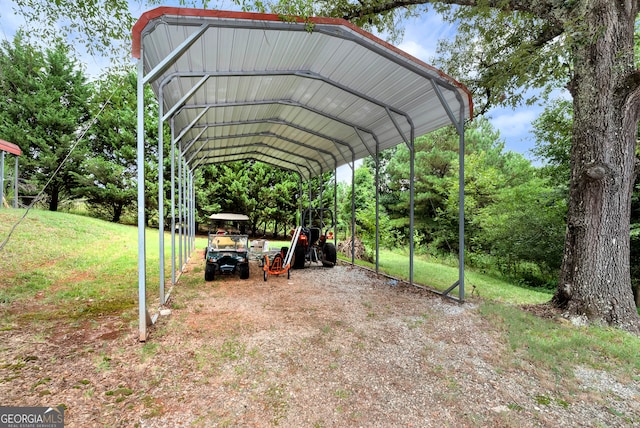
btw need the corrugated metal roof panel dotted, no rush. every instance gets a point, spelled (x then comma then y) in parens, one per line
(309, 101)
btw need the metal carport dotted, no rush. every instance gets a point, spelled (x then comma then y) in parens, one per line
(305, 95)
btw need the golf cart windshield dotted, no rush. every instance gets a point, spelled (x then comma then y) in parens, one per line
(229, 242)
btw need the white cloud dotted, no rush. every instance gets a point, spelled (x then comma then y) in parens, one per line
(422, 35)
(514, 123)
(422, 52)
(515, 127)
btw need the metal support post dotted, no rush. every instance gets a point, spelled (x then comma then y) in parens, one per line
(461, 209)
(15, 185)
(1, 179)
(377, 184)
(173, 206)
(412, 187)
(353, 209)
(142, 289)
(180, 208)
(161, 198)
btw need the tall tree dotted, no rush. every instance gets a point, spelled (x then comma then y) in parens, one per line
(20, 65)
(553, 134)
(45, 95)
(107, 178)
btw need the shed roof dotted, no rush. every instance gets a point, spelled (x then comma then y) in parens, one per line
(6, 146)
(304, 96)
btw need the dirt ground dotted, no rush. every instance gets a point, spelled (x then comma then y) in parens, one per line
(326, 348)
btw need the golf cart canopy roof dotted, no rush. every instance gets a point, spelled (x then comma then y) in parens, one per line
(307, 96)
(229, 217)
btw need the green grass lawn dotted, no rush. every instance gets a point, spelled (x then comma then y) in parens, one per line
(440, 277)
(77, 267)
(76, 263)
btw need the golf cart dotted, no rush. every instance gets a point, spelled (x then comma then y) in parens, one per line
(227, 251)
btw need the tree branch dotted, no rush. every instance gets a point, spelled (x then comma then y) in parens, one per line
(549, 32)
(352, 11)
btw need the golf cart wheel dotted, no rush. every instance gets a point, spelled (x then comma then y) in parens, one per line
(210, 272)
(265, 275)
(329, 257)
(244, 271)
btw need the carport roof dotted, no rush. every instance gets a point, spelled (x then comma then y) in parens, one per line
(304, 96)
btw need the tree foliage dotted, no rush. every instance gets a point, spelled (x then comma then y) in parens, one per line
(269, 196)
(107, 179)
(553, 140)
(45, 98)
(102, 27)
(511, 214)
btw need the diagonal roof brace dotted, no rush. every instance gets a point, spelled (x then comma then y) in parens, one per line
(177, 52)
(457, 122)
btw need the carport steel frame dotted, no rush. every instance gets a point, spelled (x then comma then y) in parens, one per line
(304, 166)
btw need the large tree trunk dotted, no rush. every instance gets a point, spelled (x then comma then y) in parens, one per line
(117, 213)
(55, 196)
(595, 279)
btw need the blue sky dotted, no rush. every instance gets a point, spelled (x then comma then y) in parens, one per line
(420, 40)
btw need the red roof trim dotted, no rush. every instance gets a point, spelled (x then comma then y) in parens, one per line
(6, 146)
(150, 15)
